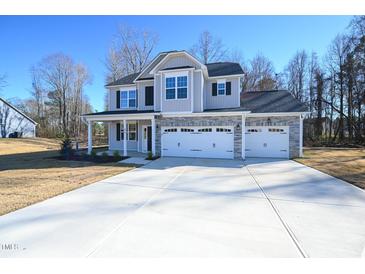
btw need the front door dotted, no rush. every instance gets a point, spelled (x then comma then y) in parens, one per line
(147, 139)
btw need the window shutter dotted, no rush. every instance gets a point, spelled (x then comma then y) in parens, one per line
(118, 132)
(118, 99)
(214, 89)
(149, 96)
(228, 88)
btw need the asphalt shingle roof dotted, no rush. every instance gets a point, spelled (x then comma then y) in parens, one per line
(126, 80)
(224, 68)
(271, 101)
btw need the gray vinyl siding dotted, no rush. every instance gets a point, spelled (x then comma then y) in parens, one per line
(226, 101)
(118, 145)
(157, 92)
(178, 105)
(178, 61)
(155, 62)
(197, 91)
(113, 97)
(141, 94)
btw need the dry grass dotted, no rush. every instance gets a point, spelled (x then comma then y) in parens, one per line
(344, 163)
(28, 174)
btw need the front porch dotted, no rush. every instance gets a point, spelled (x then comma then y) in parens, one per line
(131, 135)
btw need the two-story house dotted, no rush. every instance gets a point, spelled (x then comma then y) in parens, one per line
(178, 106)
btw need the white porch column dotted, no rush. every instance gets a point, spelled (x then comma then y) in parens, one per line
(89, 136)
(124, 137)
(300, 136)
(153, 126)
(243, 136)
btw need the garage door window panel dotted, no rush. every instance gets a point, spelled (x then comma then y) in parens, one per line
(187, 130)
(205, 130)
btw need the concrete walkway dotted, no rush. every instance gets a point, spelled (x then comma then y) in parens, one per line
(177, 207)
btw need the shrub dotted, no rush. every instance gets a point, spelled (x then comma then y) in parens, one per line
(105, 156)
(150, 155)
(117, 156)
(93, 154)
(66, 150)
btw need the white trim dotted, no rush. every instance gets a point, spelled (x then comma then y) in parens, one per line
(124, 137)
(222, 81)
(128, 91)
(117, 86)
(150, 64)
(300, 136)
(178, 53)
(191, 91)
(142, 138)
(275, 114)
(243, 138)
(176, 70)
(89, 137)
(161, 87)
(175, 75)
(145, 80)
(202, 91)
(117, 117)
(225, 76)
(239, 91)
(153, 127)
(202, 114)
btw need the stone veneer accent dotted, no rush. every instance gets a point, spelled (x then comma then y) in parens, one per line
(291, 121)
(294, 126)
(203, 121)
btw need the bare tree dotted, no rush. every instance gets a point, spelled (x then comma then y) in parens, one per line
(57, 91)
(130, 52)
(260, 75)
(319, 101)
(296, 72)
(336, 58)
(312, 69)
(3, 82)
(209, 48)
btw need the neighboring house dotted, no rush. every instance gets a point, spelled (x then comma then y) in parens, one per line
(178, 106)
(14, 122)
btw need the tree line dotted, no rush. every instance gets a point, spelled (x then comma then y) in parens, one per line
(332, 86)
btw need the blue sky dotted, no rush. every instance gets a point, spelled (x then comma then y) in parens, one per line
(25, 40)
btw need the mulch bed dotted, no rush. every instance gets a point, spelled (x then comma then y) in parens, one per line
(90, 158)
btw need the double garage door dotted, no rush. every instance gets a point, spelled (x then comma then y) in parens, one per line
(218, 142)
(204, 142)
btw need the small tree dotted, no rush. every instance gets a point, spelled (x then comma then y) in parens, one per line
(66, 148)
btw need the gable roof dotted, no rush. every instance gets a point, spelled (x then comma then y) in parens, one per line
(223, 69)
(17, 110)
(271, 101)
(213, 69)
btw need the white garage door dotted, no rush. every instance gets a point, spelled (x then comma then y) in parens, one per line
(204, 142)
(267, 141)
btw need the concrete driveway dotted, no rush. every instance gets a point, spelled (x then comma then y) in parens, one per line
(176, 207)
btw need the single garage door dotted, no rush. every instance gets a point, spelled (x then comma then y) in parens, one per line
(203, 142)
(267, 141)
